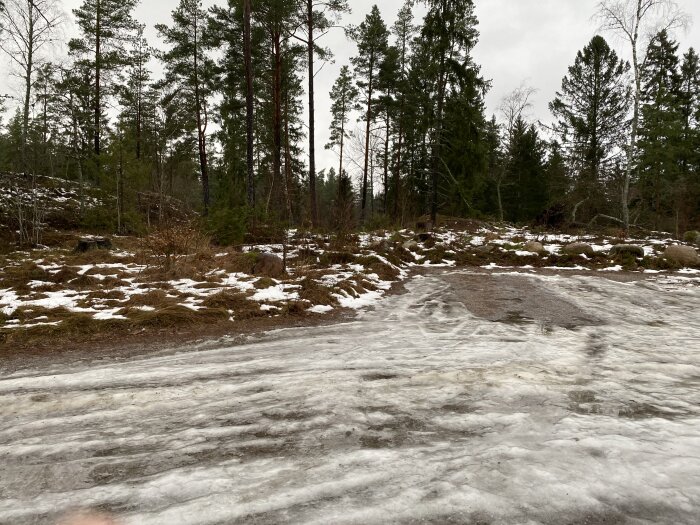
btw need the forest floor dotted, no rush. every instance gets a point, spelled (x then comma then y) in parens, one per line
(54, 299)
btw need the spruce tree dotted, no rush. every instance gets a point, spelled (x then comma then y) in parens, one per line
(591, 111)
(661, 126)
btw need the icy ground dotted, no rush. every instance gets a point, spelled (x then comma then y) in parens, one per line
(419, 412)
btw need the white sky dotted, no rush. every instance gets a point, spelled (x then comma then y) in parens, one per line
(531, 41)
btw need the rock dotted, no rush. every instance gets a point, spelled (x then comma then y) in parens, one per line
(93, 243)
(269, 265)
(579, 248)
(486, 248)
(422, 237)
(686, 255)
(534, 247)
(410, 245)
(381, 246)
(620, 250)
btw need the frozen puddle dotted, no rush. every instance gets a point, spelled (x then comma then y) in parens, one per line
(423, 411)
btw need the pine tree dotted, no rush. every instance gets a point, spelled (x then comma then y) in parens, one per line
(403, 32)
(344, 99)
(372, 39)
(591, 111)
(187, 69)
(106, 27)
(319, 17)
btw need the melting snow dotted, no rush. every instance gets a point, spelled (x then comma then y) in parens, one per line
(418, 412)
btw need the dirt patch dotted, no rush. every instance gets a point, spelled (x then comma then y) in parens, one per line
(515, 299)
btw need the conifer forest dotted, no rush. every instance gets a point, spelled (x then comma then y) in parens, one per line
(228, 126)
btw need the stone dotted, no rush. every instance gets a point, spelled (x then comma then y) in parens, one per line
(423, 237)
(534, 247)
(686, 255)
(486, 248)
(579, 248)
(269, 265)
(410, 245)
(93, 243)
(620, 250)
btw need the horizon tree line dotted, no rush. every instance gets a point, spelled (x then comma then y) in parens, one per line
(224, 131)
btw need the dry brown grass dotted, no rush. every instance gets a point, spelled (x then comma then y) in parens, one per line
(18, 276)
(152, 298)
(264, 282)
(315, 293)
(173, 316)
(237, 302)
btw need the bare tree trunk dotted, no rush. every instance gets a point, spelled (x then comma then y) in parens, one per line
(201, 124)
(370, 89)
(287, 162)
(120, 188)
(98, 73)
(312, 118)
(500, 200)
(386, 164)
(277, 105)
(250, 108)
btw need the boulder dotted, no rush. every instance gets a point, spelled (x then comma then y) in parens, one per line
(579, 248)
(269, 265)
(686, 255)
(423, 237)
(410, 245)
(621, 250)
(534, 247)
(93, 243)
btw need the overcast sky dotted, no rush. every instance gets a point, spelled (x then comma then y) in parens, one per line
(530, 41)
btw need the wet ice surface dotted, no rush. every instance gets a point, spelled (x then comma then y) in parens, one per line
(419, 412)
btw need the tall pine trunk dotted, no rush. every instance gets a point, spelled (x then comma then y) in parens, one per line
(312, 118)
(370, 89)
(277, 109)
(250, 108)
(98, 73)
(201, 124)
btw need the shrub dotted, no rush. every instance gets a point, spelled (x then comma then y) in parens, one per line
(167, 244)
(228, 226)
(99, 219)
(692, 237)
